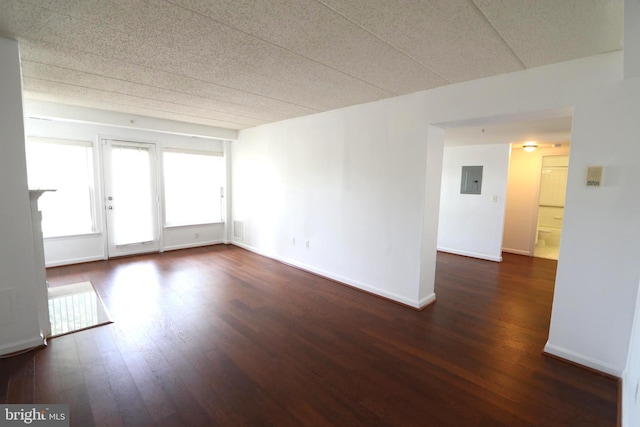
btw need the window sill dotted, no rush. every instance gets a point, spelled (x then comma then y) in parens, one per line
(73, 236)
(192, 225)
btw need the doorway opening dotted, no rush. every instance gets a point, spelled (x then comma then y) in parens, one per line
(503, 218)
(505, 214)
(553, 187)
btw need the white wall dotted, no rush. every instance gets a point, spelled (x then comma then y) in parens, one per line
(75, 249)
(631, 377)
(632, 39)
(523, 193)
(472, 224)
(353, 181)
(598, 271)
(19, 321)
(430, 215)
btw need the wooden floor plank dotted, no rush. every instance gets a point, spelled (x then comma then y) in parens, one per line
(21, 379)
(220, 336)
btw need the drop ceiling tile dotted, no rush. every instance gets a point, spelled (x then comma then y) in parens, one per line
(244, 62)
(547, 31)
(144, 92)
(233, 100)
(450, 37)
(95, 98)
(192, 44)
(314, 31)
(123, 108)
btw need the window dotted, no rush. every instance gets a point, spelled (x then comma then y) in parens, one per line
(67, 167)
(193, 182)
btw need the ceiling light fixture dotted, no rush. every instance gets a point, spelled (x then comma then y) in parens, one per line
(530, 146)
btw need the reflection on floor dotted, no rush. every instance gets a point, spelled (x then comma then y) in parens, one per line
(547, 251)
(75, 307)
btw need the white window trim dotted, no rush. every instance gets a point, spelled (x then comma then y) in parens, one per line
(223, 205)
(96, 167)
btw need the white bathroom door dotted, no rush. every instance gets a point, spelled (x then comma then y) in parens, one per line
(131, 198)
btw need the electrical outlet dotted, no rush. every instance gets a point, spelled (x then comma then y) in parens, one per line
(307, 244)
(293, 240)
(197, 235)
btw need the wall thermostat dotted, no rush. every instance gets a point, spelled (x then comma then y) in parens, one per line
(594, 176)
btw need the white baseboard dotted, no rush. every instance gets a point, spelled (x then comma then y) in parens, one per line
(350, 282)
(583, 360)
(74, 261)
(102, 258)
(21, 345)
(470, 254)
(517, 251)
(427, 300)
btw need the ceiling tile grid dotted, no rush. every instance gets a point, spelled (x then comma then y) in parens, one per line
(316, 32)
(452, 37)
(247, 62)
(544, 32)
(144, 93)
(233, 100)
(97, 95)
(240, 63)
(49, 94)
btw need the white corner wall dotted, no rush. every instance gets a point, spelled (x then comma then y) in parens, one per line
(632, 39)
(19, 321)
(523, 193)
(353, 182)
(431, 214)
(598, 272)
(631, 377)
(472, 224)
(350, 182)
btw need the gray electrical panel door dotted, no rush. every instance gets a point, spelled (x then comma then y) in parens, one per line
(471, 180)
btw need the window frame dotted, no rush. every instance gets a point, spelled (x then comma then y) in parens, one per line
(222, 187)
(92, 180)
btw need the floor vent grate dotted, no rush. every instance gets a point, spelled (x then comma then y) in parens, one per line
(237, 230)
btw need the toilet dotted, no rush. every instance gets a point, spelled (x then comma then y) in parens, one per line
(543, 234)
(549, 225)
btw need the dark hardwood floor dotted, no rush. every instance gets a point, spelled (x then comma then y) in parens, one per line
(220, 336)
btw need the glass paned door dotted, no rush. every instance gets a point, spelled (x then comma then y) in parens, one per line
(131, 198)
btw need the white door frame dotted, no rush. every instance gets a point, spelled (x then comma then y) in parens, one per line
(155, 245)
